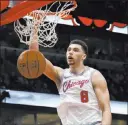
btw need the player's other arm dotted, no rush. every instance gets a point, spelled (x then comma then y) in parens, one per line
(102, 93)
(51, 71)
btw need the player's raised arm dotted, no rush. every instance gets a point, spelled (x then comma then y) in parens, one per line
(102, 93)
(51, 71)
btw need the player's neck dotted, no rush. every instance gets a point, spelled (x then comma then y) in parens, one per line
(77, 69)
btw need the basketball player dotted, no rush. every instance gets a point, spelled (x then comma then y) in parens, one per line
(84, 96)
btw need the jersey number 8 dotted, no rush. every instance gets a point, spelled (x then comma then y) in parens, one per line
(84, 96)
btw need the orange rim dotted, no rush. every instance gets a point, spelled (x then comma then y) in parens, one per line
(54, 13)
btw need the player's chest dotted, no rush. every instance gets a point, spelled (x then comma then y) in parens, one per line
(75, 83)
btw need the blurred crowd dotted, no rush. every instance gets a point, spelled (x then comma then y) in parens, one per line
(117, 77)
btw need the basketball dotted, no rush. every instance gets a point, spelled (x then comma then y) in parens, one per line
(31, 64)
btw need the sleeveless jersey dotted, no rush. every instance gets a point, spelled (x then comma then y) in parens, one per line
(78, 101)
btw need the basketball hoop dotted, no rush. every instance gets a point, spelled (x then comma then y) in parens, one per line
(47, 36)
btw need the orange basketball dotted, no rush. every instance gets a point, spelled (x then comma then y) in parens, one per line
(31, 64)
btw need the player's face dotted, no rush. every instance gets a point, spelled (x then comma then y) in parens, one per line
(75, 54)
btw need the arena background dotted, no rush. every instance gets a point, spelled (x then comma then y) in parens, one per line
(108, 52)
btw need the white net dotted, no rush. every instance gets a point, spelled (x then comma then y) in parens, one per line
(47, 36)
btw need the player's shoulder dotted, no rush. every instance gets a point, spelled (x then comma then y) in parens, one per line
(97, 76)
(58, 68)
(61, 71)
(92, 70)
(95, 73)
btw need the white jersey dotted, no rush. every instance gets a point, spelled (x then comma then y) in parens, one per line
(78, 102)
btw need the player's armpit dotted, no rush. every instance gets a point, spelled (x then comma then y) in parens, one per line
(53, 72)
(102, 93)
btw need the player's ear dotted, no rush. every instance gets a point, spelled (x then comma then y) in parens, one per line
(84, 56)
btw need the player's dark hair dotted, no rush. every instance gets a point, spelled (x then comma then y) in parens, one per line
(82, 43)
